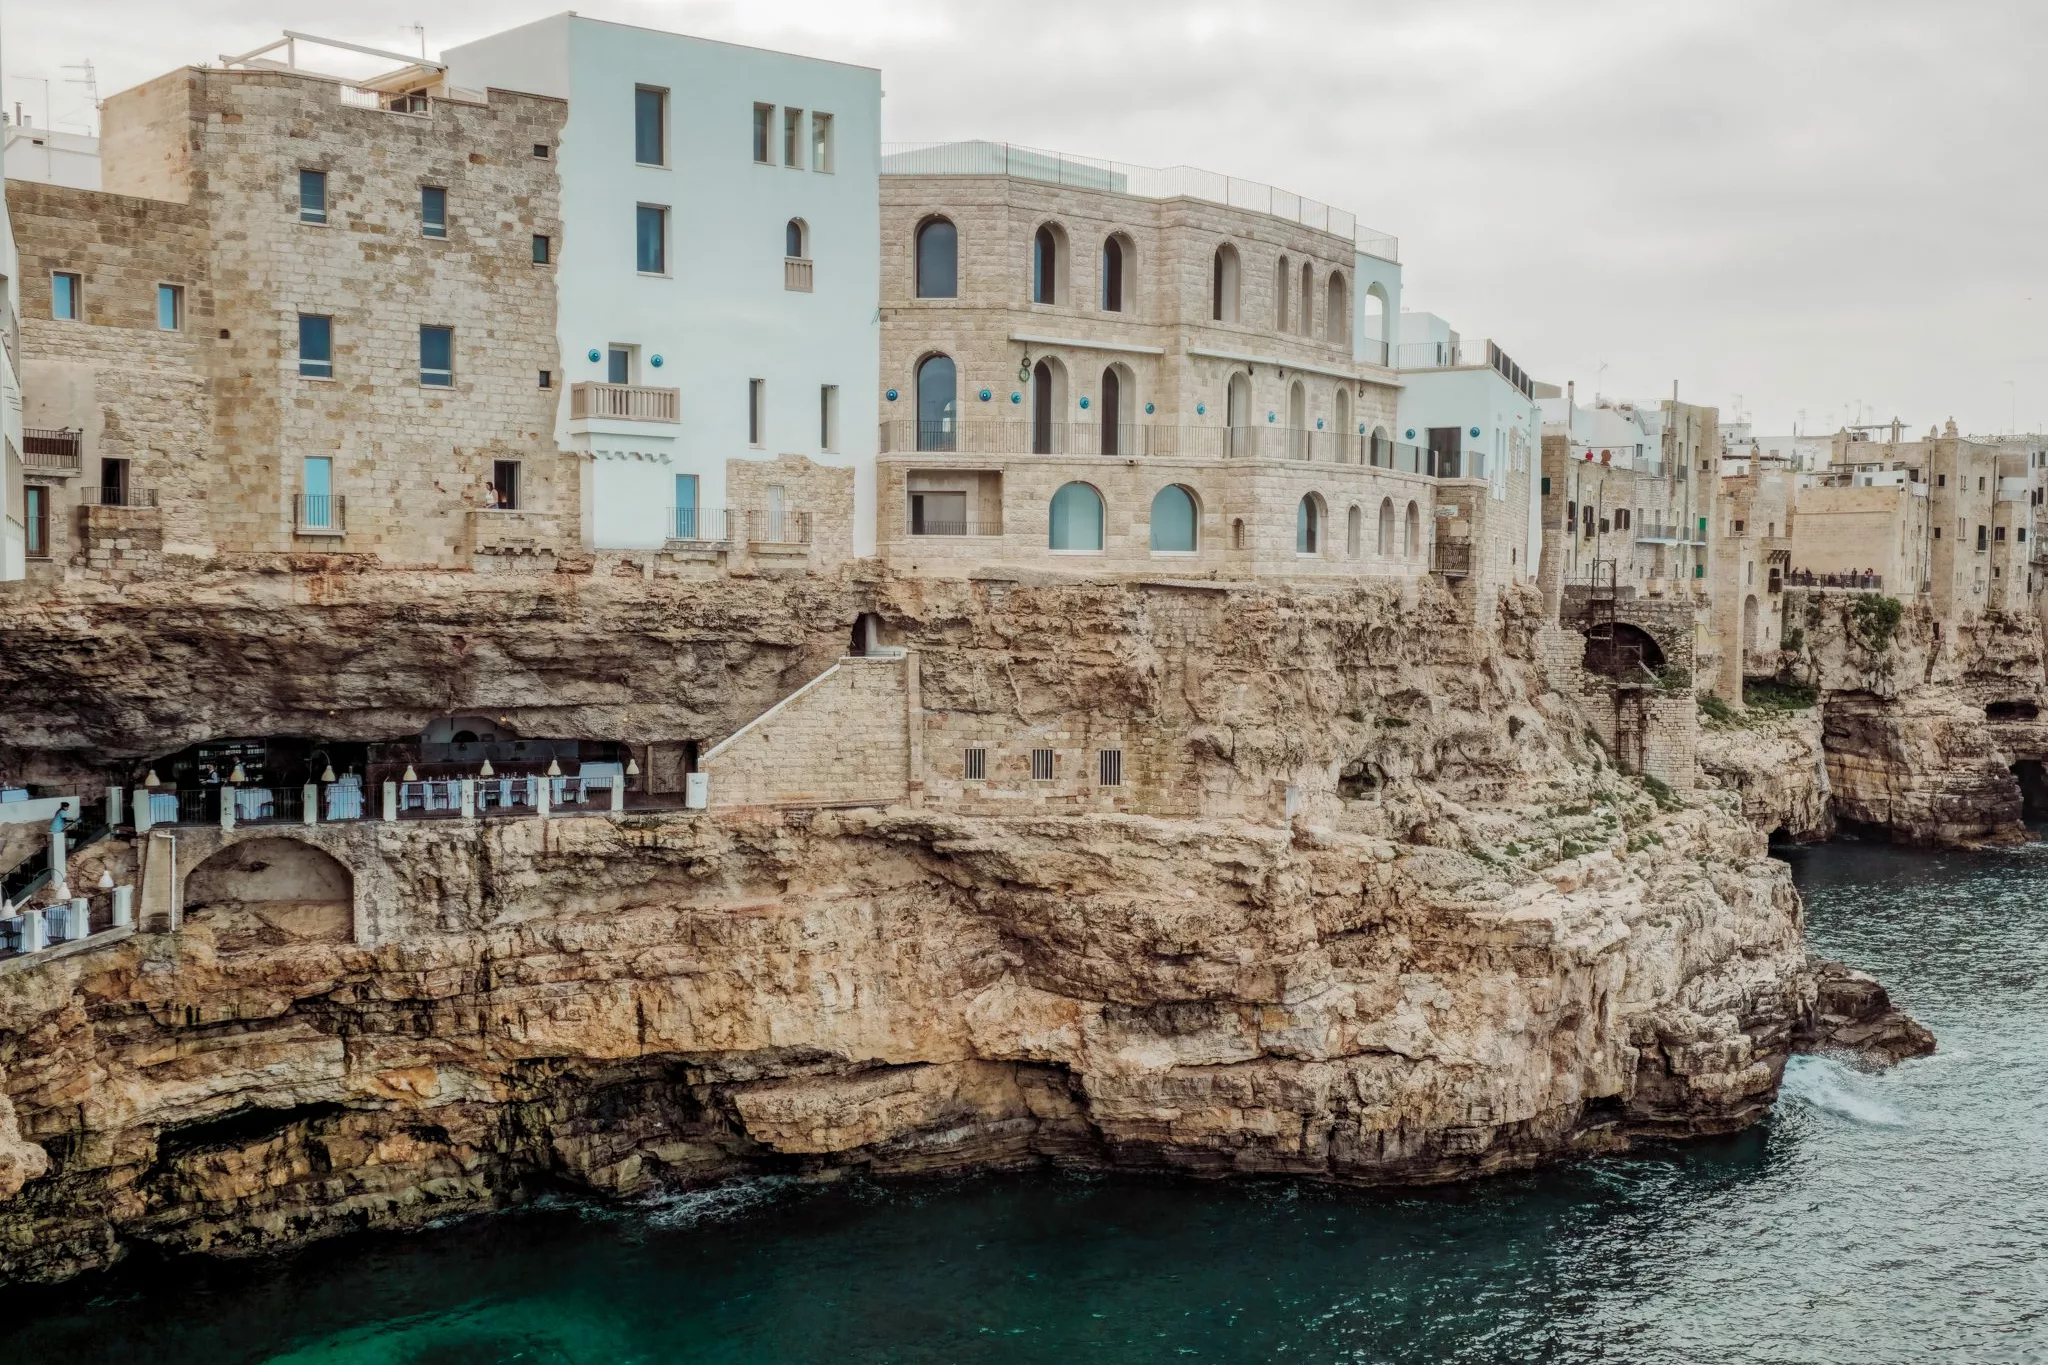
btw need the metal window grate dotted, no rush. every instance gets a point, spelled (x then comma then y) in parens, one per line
(976, 767)
(1041, 765)
(1109, 768)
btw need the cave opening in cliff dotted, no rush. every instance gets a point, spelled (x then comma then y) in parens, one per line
(2012, 710)
(2032, 775)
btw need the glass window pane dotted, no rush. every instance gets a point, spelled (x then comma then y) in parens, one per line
(937, 260)
(64, 296)
(648, 108)
(936, 407)
(316, 346)
(167, 307)
(619, 366)
(652, 252)
(1076, 520)
(437, 356)
(763, 113)
(313, 196)
(1173, 519)
(540, 249)
(433, 211)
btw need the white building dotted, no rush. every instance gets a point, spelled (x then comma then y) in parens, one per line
(1476, 412)
(719, 270)
(13, 483)
(54, 158)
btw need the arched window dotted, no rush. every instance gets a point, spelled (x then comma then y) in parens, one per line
(1382, 447)
(1173, 520)
(1354, 531)
(1116, 265)
(1297, 421)
(1237, 415)
(938, 260)
(1306, 323)
(1308, 526)
(1373, 323)
(1048, 408)
(937, 409)
(796, 240)
(1111, 412)
(1337, 311)
(1237, 533)
(1347, 441)
(1414, 544)
(1223, 285)
(1386, 543)
(1283, 286)
(1048, 264)
(1076, 520)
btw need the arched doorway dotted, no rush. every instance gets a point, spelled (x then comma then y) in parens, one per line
(270, 893)
(1354, 531)
(1223, 284)
(1628, 652)
(1237, 415)
(1413, 543)
(938, 259)
(1119, 437)
(1308, 526)
(937, 405)
(1749, 619)
(1373, 324)
(1346, 441)
(1297, 421)
(1386, 540)
(1048, 407)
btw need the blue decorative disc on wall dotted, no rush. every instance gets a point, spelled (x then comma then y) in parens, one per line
(891, 396)
(1319, 424)
(1270, 417)
(985, 395)
(1201, 409)
(595, 355)
(1411, 430)
(1361, 428)
(1084, 402)
(1016, 398)
(655, 361)
(1148, 409)
(1475, 433)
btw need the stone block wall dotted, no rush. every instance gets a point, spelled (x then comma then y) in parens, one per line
(842, 739)
(824, 492)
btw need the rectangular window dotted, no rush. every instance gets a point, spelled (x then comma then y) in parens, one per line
(542, 150)
(1041, 765)
(650, 130)
(1941, 480)
(1980, 540)
(35, 507)
(1109, 768)
(505, 484)
(764, 118)
(821, 142)
(433, 211)
(618, 365)
(1546, 485)
(312, 196)
(316, 346)
(651, 254)
(757, 415)
(793, 138)
(1999, 534)
(316, 502)
(547, 379)
(828, 417)
(170, 308)
(437, 357)
(67, 296)
(976, 767)
(543, 249)
(113, 483)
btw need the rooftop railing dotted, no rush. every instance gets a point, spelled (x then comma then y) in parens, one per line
(1124, 177)
(1461, 353)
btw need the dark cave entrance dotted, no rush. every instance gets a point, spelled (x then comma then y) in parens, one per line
(2033, 779)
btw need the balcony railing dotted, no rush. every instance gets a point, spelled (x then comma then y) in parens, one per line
(624, 402)
(773, 527)
(1667, 533)
(319, 514)
(703, 525)
(49, 451)
(1861, 582)
(957, 526)
(796, 274)
(107, 495)
(1451, 558)
(1262, 442)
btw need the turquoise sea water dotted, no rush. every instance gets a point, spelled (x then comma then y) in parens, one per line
(1901, 1217)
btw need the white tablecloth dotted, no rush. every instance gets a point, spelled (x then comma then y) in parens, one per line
(163, 808)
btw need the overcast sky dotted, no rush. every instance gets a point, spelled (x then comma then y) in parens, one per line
(1824, 206)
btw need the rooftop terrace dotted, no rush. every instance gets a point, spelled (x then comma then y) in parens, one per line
(1123, 177)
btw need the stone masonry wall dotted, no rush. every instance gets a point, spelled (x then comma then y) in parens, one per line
(843, 738)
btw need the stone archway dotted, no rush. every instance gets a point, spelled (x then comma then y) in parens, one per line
(269, 893)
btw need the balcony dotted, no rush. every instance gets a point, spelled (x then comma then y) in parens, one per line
(1459, 354)
(51, 451)
(1451, 558)
(111, 495)
(699, 525)
(592, 401)
(778, 527)
(1852, 582)
(796, 274)
(1122, 441)
(319, 514)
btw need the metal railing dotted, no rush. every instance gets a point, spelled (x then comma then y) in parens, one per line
(940, 526)
(706, 525)
(1862, 582)
(1124, 177)
(772, 527)
(1262, 442)
(506, 795)
(1667, 533)
(315, 514)
(51, 451)
(1462, 353)
(796, 274)
(109, 496)
(624, 402)
(261, 805)
(1373, 351)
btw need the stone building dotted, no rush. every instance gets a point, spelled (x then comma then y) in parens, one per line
(1103, 368)
(301, 317)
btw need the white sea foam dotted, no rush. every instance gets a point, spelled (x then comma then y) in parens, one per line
(1827, 1086)
(716, 1203)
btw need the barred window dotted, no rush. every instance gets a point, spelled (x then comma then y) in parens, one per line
(1109, 768)
(976, 767)
(1041, 765)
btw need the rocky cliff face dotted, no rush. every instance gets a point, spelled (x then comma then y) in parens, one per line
(1478, 947)
(1777, 765)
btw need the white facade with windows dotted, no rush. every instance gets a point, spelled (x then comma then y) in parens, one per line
(14, 510)
(690, 335)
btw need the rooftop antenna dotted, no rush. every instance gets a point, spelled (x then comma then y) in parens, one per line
(1596, 380)
(420, 32)
(91, 81)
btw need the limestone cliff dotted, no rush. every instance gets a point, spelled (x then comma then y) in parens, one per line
(1777, 765)
(1476, 946)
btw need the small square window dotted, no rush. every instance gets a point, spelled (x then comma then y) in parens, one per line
(67, 296)
(542, 249)
(312, 196)
(316, 346)
(437, 357)
(1041, 765)
(975, 769)
(764, 119)
(542, 151)
(170, 308)
(547, 379)
(433, 211)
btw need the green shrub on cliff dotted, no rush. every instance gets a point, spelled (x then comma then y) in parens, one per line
(1769, 694)
(1716, 711)
(1876, 621)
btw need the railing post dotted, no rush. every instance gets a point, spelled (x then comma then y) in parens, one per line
(618, 793)
(468, 787)
(310, 801)
(390, 802)
(540, 796)
(78, 920)
(142, 820)
(115, 805)
(227, 807)
(33, 932)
